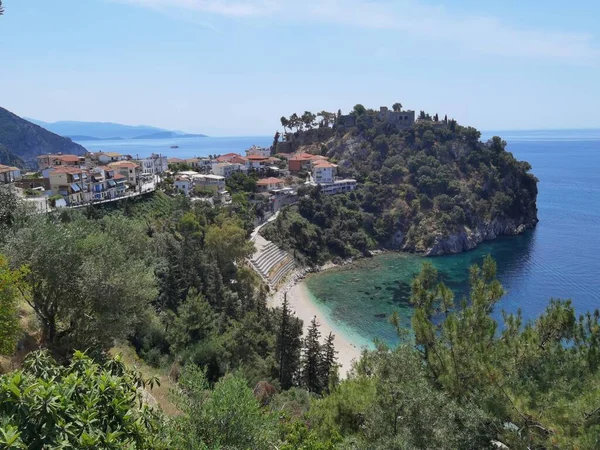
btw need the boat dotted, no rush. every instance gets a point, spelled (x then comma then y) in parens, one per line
(174, 146)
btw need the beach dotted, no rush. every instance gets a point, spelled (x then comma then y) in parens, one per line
(304, 308)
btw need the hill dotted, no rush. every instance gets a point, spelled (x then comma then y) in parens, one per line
(78, 137)
(25, 140)
(168, 135)
(107, 130)
(432, 188)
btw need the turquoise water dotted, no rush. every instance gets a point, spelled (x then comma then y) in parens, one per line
(559, 259)
(188, 147)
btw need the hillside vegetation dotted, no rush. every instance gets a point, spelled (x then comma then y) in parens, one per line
(26, 141)
(432, 188)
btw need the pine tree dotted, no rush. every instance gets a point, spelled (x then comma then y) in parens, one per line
(288, 346)
(329, 367)
(312, 359)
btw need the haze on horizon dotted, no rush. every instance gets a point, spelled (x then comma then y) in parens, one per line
(233, 67)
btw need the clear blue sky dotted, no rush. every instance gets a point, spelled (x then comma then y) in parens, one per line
(233, 67)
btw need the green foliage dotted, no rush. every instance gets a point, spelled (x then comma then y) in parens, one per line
(229, 416)
(240, 182)
(87, 281)
(10, 281)
(82, 405)
(288, 346)
(459, 184)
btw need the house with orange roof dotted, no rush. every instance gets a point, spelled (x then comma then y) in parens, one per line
(9, 174)
(323, 171)
(130, 170)
(56, 160)
(303, 161)
(269, 184)
(260, 151)
(227, 157)
(69, 182)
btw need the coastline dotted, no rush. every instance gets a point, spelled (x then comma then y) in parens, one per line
(304, 308)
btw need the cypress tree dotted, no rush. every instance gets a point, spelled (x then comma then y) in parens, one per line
(329, 368)
(288, 346)
(312, 359)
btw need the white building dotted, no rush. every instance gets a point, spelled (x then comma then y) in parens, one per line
(338, 186)
(183, 184)
(258, 151)
(225, 169)
(323, 171)
(154, 165)
(9, 174)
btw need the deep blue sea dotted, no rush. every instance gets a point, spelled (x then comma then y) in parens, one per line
(559, 259)
(188, 147)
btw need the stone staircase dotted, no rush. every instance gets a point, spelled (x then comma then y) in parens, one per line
(272, 263)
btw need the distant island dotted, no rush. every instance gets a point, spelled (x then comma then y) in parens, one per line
(93, 131)
(427, 185)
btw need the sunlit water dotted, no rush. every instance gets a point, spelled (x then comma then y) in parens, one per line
(559, 259)
(188, 147)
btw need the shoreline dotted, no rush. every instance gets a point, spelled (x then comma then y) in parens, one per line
(304, 308)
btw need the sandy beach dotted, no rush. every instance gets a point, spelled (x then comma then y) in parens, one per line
(304, 308)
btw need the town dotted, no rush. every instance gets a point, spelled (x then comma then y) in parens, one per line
(71, 181)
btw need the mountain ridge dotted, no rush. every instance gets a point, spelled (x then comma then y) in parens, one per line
(24, 140)
(106, 130)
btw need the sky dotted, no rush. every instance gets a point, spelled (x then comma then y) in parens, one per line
(234, 67)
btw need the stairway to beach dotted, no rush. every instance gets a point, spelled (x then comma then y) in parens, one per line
(272, 263)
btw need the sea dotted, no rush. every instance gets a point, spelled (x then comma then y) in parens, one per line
(560, 258)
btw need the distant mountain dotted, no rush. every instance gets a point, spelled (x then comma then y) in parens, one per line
(168, 135)
(78, 138)
(25, 140)
(104, 130)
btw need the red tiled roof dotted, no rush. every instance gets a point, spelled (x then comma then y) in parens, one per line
(239, 159)
(306, 157)
(175, 160)
(257, 157)
(68, 158)
(267, 181)
(63, 169)
(322, 163)
(123, 164)
(118, 176)
(4, 169)
(227, 157)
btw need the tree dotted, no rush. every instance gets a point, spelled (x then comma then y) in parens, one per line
(359, 110)
(436, 118)
(327, 118)
(228, 244)
(275, 141)
(308, 119)
(82, 405)
(87, 286)
(329, 368)
(295, 122)
(397, 107)
(227, 417)
(312, 359)
(10, 282)
(289, 343)
(1, 8)
(285, 123)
